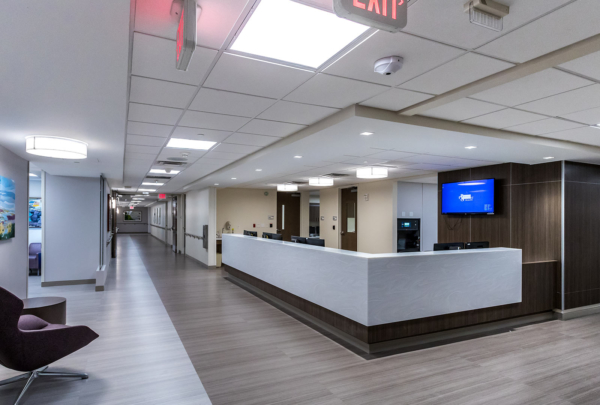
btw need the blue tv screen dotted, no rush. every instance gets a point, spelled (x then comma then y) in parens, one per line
(468, 197)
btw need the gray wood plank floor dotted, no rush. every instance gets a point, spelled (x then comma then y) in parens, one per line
(248, 352)
(138, 359)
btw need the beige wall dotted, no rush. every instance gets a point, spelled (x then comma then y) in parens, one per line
(304, 214)
(377, 217)
(244, 207)
(330, 207)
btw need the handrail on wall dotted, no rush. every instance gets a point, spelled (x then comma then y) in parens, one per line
(191, 235)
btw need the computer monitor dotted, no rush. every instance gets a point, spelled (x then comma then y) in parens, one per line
(298, 239)
(477, 245)
(449, 246)
(315, 242)
(251, 233)
(275, 236)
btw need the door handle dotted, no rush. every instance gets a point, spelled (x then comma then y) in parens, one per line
(342, 233)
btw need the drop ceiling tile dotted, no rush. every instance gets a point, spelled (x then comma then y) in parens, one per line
(544, 126)
(251, 76)
(533, 87)
(216, 20)
(142, 128)
(462, 109)
(271, 128)
(572, 23)
(429, 166)
(586, 135)
(332, 91)
(200, 134)
(588, 65)
(225, 155)
(365, 161)
(212, 121)
(446, 21)
(396, 99)
(250, 139)
(145, 140)
(226, 147)
(134, 156)
(445, 161)
(505, 118)
(153, 115)
(458, 72)
(391, 155)
(161, 93)
(225, 102)
(420, 55)
(590, 117)
(565, 103)
(297, 113)
(155, 57)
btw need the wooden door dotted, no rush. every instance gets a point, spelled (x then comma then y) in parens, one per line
(288, 215)
(349, 221)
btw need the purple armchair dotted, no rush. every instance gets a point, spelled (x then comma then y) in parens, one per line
(30, 344)
(35, 257)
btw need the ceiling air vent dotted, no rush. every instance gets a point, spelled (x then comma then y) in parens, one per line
(335, 175)
(299, 183)
(167, 163)
(159, 177)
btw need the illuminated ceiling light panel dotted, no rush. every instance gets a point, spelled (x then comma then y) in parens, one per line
(372, 172)
(163, 171)
(366, 133)
(470, 147)
(145, 189)
(287, 187)
(291, 32)
(55, 147)
(548, 157)
(153, 184)
(320, 181)
(190, 144)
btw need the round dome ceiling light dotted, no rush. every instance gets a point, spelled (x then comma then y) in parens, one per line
(55, 147)
(372, 172)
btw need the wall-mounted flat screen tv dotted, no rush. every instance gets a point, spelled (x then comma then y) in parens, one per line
(468, 197)
(132, 216)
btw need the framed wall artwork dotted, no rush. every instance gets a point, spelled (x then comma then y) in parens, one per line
(132, 216)
(35, 212)
(7, 208)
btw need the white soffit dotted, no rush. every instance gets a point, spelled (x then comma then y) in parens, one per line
(296, 113)
(533, 87)
(251, 76)
(153, 114)
(420, 55)
(396, 99)
(544, 126)
(332, 91)
(155, 57)
(225, 102)
(458, 72)
(585, 135)
(565, 26)
(142, 128)
(505, 118)
(462, 109)
(566, 103)
(161, 93)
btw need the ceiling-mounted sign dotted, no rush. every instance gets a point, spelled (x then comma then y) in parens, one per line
(387, 15)
(186, 34)
(162, 196)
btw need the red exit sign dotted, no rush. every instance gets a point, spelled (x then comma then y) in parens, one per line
(387, 15)
(162, 196)
(186, 34)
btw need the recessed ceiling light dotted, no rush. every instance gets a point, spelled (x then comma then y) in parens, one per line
(141, 199)
(470, 147)
(32, 175)
(163, 171)
(366, 133)
(291, 32)
(372, 172)
(287, 187)
(216, 184)
(153, 184)
(259, 170)
(320, 181)
(234, 178)
(297, 157)
(595, 126)
(145, 189)
(55, 147)
(548, 157)
(189, 144)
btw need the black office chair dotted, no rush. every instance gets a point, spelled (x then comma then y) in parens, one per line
(251, 233)
(449, 246)
(276, 236)
(316, 242)
(298, 239)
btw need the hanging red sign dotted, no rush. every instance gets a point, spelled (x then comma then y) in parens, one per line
(387, 15)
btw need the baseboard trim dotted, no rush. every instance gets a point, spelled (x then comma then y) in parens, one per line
(199, 262)
(101, 275)
(376, 350)
(159, 239)
(67, 282)
(565, 315)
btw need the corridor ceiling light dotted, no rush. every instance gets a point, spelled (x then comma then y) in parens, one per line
(146, 189)
(372, 172)
(291, 32)
(234, 178)
(137, 198)
(548, 157)
(55, 147)
(163, 171)
(190, 144)
(153, 184)
(297, 157)
(366, 133)
(287, 187)
(470, 147)
(259, 170)
(320, 181)
(32, 175)
(216, 184)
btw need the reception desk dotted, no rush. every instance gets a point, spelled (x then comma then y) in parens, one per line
(357, 292)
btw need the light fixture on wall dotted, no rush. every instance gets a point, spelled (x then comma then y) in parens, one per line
(372, 172)
(287, 187)
(320, 181)
(55, 147)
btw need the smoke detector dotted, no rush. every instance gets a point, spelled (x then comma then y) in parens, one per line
(388, 65)
(486, 13)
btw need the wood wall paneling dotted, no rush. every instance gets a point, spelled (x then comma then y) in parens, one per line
(582, 173)
(542, 173)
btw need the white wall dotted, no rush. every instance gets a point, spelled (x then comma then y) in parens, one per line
(35, 191)
(14, 261)
(72, 215)
(132, 227)
(419, 200)
(156, 227)
(200, 210)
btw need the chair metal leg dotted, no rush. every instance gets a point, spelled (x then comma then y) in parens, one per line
(83, 376)
(32, 377)
(40, 372)
(15, 379)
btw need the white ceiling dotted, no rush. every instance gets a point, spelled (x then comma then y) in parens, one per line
(247, 104)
